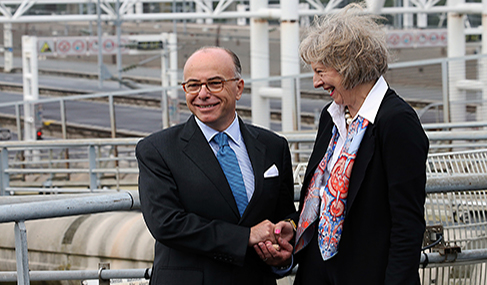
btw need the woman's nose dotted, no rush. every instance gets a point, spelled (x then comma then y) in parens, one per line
(317, 81)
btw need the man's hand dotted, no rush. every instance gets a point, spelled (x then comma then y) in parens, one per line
(264, 231)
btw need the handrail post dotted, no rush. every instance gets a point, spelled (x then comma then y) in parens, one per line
(62, 111)
(21, 253)
(92, 162)
(17, 120)
(113, 126)
(4, 176)
(103, 266)
(446, 96)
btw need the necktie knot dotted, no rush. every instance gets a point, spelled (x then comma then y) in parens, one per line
(221, 139)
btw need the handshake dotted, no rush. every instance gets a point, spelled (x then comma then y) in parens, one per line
(272, 242)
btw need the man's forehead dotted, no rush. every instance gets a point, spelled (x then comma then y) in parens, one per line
(208, 65)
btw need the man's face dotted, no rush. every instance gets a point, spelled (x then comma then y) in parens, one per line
(215, 109)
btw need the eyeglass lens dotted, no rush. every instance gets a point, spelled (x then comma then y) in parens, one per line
(212, 85)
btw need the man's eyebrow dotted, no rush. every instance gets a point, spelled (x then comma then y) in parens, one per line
(215, 77)
(208, 79)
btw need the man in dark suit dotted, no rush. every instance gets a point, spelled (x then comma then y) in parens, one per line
(202, 235)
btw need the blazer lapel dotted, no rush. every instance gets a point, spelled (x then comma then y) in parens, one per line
(319, 149)
(257, 152)
(199, 151)
(364, 155)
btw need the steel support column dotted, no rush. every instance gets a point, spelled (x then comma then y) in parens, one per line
(8, 47)
(290, 114)
(169, 77)
(456, 69)
(259, 64)
(173, 78)
(482, 108)
(30, 83)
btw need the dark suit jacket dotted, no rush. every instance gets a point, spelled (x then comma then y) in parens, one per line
(384, 222)
(190, 210)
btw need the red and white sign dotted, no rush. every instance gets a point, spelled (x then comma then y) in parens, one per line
(407, 39)
(93, 46)
(80, 45)
(108, 46)
(417, 38)
(63, 47)
(393, 39)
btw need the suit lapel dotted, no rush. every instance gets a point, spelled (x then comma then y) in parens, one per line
(199, 151)
(257, 153)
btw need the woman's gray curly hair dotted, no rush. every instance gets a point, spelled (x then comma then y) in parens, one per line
(351, 41)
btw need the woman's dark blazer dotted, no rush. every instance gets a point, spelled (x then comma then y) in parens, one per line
(384, 222)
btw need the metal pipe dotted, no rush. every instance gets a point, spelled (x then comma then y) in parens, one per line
(275, 14)
(53, 275)
(444, 126)
(123, 200)
(447, 183)
(457, 135)
(435, 259)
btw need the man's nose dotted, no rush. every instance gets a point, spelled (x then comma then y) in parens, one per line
(204, 92)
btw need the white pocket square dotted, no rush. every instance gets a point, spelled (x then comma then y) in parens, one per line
(271, 172)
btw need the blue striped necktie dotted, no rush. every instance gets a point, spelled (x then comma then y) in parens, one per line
(229, 164)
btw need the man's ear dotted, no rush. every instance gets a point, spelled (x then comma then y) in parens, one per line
(240, 87)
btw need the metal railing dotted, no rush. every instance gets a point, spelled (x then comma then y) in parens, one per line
(88, 164)
(456, 207)
(425, 83)
(69, 206)
(93, 159)
(456, 220)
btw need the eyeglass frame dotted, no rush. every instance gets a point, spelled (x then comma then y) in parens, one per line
(206, 85)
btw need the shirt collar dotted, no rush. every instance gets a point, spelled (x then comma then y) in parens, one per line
(233, 131)
(369, 108)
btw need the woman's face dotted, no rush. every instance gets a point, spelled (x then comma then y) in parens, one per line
(329, 79)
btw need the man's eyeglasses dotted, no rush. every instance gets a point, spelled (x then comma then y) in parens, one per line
(214, 85)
